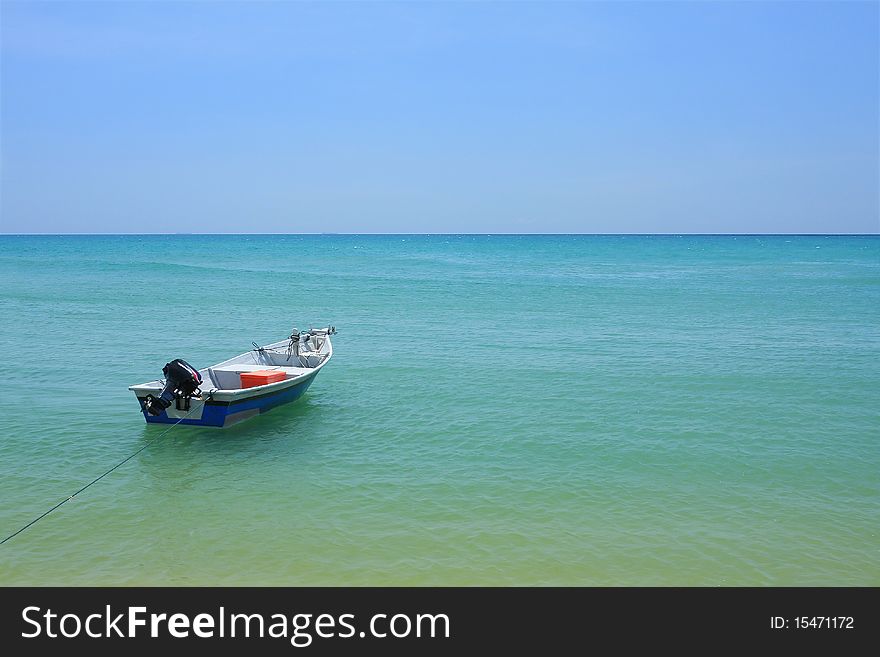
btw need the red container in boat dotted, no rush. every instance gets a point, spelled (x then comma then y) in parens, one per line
(261, 378)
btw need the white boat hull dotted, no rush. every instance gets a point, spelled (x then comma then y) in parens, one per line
(223, 402)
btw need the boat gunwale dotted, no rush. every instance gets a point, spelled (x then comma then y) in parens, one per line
(231, 395)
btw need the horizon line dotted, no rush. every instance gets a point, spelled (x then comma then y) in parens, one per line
(328, 234)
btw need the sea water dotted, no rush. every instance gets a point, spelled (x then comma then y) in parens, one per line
(499, 410)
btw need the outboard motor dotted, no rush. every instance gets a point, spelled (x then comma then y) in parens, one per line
(182, 381)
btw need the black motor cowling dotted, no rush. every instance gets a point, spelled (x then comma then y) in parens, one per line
(181, 379)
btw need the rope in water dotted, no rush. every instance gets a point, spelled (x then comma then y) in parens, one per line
(96, 480)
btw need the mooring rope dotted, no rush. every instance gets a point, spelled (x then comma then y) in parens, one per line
(96, 480)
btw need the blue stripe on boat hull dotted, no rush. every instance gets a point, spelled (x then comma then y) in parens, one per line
(220, 414)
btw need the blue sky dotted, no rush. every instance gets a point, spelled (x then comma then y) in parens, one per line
(125, 117)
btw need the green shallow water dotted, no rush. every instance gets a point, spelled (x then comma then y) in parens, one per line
(499, 410)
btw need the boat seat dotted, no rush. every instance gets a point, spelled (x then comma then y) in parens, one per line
(292, 372)
(227, 376)
(243, 367)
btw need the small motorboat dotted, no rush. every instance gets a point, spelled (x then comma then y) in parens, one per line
(238, 388)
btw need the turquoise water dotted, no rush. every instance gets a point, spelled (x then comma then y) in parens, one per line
(499, 410)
